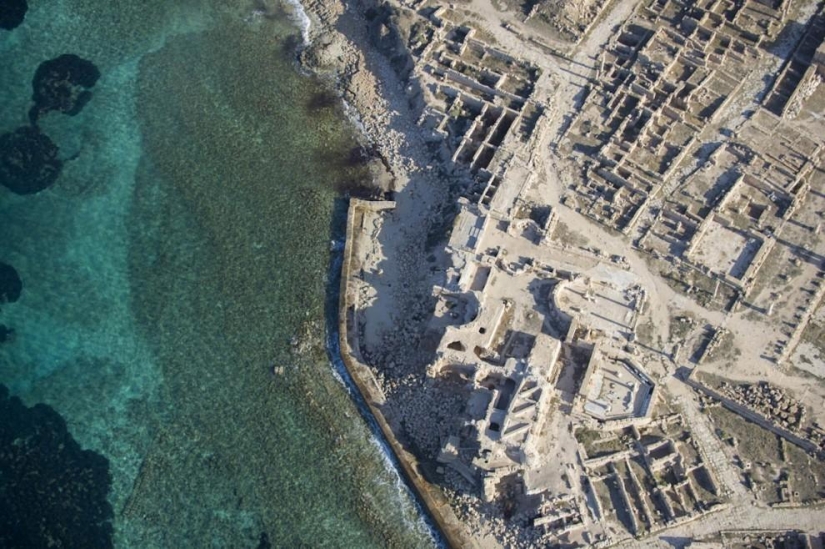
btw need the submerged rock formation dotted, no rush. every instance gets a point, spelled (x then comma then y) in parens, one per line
(28, 161)
(52, 492)
(62, 84)
(12, 13)
(10, 284)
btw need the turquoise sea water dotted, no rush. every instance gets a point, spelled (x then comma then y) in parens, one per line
(182, 252)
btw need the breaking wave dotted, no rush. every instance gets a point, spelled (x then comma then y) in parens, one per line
(299, 16)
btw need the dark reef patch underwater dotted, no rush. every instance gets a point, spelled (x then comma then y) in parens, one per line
(163, 242)
(10, 284)
(62, 84)
(52, 492)
(12, 13)
(28, 161)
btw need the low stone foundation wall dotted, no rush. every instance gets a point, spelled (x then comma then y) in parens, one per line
(429, 496)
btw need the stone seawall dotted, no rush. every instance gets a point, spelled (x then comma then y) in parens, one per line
(434, 503)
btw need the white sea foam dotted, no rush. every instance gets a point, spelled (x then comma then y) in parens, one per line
(355, 117)
(299, 16)
(340, 379)
(418, 524)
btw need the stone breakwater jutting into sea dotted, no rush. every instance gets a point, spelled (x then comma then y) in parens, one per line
(170, 185)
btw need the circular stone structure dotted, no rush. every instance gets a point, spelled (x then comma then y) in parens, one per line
(62, 84)
(28, 161)
(10, 284)
(12, 13)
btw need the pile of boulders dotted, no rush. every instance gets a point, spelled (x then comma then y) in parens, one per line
(493, 520)
(570, 18)
(769, 401)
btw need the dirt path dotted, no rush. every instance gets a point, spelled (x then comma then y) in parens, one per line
(709, 444)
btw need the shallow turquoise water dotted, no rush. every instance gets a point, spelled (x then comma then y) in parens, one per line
(185, 244)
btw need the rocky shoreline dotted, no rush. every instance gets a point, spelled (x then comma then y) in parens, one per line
(356, 47)
(343, 49)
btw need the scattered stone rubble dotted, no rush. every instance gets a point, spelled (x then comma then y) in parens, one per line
(769, 401)
(567, 19)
